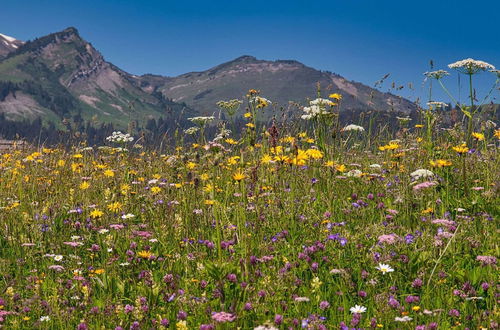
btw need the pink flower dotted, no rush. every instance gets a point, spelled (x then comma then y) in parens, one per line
(426, 184)
(487, 260)
(57, 268)
(223, 317)
(143, 234)
(73, 244)
(116, 226)
(388, 239)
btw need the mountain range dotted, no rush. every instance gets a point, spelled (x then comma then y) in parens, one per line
(61, 75)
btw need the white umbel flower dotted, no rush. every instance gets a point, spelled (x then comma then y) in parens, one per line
(421, 173)
(201, 120)
(353, 127)
(436, 74)
(471, 66)
(119, 137)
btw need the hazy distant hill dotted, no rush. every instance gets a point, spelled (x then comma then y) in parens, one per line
(280, 81)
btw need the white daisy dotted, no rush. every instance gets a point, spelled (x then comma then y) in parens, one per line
(384, 268)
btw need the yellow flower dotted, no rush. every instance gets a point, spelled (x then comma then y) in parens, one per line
(250, 125)
(230, 141)
(209, 202)
(266, 159)
(96, 214)
(109, 173)
(208, 188)
(247, 115)
(461, 149)
(190, 165)
(497, 133)
(428, 210)
(84, 185)
(181, 325)
(314, 153)
(99, 271)
(335, 96)
(341, 168)
(419, 126)
(233, 160)
(61, 162)
(204, 177)
(155, 190)
(76, 167)
(440, 163)
(478, 136)
(330, 163)
(415, 308)
(77, 156)
(238, 176)
(144, 254)
(115, 207)
(390, 146)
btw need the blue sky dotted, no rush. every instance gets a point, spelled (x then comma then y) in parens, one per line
(361, 40)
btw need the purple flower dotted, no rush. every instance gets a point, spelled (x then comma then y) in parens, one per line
(223, 317)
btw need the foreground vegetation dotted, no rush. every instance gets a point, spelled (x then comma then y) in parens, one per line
(325, 228)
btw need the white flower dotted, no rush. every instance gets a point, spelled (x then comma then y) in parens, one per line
(421, 173)
(402, 319)
(103, 231)
(127, 216)
(191, 130)
(436, 105)
(384, 268)
(265, 327)
(45, 318)
(436, 74)
(201, 120)
(376, 166)
(301, 299)
(358, 309)
(58, 257)
(322, 102)
(471, 66)
(354, 173)
(119, 137)
(352, 127)
(124, 264)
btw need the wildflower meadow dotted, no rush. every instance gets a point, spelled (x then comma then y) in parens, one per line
(319, 225)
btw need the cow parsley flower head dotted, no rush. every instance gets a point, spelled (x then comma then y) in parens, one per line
(436, 74)
(436, 105)
(201, 120)
(358, 309)
(352, 127)
(119, 137)
(421, 173)
(471, 66)
(316, 108)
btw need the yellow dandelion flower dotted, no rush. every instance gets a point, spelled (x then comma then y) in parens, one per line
(77, 156)
(497, 133)
(314, 153)
(84, 185)
(61, 163)
(250, 125)
(96, 214)
(144, 254)
(247, 115)
(440, 163)
(266, 159)
(109, 173)
(190, 165)
(238, 176)
(478, 136)
(230, 141)
(461, 149)
(341, 168)
(115, 207)
(330, 163)
(335, 96)
(209, 202)
(155, 190)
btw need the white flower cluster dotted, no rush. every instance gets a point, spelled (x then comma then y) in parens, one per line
(471, 66)
(120, 137)
(316, 108)
(421, 173)
(201, 120)
(353, 127)
(191, 130)
(436, 74)
(436, 104)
